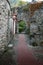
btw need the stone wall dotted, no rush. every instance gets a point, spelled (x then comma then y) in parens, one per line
(4, 8)
(38, 18)
(23, 15)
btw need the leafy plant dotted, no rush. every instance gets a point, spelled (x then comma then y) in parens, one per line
(21, 3)
(22, 26)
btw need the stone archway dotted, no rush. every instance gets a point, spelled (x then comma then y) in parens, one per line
(21, 26)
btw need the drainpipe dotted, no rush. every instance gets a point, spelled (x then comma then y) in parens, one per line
(14, 23)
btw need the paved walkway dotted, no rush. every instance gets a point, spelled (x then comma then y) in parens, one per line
(24, 54)
(21, 53)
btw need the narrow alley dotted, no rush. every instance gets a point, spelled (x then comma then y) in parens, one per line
(21, 32)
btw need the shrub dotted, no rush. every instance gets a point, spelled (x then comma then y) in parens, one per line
(22, 26)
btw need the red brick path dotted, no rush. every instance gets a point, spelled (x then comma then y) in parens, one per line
(25, 55)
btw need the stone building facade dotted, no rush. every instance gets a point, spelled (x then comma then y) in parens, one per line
(4, 23)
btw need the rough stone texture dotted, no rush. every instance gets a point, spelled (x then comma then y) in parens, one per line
(4, 7)
(38, 18)
(23, 15)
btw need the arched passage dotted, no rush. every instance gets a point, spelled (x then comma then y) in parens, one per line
(22, 26)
